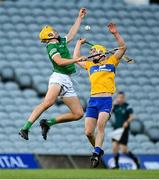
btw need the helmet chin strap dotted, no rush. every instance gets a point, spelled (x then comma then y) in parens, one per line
(52, 38)
(58, 38)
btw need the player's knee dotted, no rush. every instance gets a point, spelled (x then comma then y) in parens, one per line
(47, 104)
(78, 115)
(100, 128)
(88, 133)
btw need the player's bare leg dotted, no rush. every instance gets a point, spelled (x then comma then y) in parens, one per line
(102, 119)
(76, 113)
(98, 152)
(90, 124)
(48, 101)
(76, 110)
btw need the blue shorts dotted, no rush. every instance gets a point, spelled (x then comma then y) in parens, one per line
(97, 105)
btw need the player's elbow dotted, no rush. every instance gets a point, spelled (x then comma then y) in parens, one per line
(59, 63)
(124, 47)
(79, 114)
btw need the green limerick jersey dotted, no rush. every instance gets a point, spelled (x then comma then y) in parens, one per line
(61, 49)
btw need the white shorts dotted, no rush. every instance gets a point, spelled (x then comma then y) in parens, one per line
(65, 82)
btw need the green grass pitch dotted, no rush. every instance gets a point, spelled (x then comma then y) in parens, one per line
(78, 174)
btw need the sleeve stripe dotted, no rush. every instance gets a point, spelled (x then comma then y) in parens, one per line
(54, 54)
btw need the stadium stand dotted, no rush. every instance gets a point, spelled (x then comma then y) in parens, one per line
(25, 69)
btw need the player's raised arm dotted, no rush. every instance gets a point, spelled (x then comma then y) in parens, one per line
(73, 31)
(122, 45)
(77, 52)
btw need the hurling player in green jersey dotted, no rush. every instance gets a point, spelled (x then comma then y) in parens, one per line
(60, 83)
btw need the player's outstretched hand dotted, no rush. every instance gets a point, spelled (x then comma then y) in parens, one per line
(82, 12)
(82, 40)
(112, 28)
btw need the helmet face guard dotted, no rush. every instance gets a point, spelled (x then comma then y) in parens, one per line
(99, 59)
(44, 40)
(98, 49)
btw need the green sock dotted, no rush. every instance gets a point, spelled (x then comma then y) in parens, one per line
(51, 122)
(27, 125)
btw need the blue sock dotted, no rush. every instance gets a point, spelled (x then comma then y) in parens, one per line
(97, 150)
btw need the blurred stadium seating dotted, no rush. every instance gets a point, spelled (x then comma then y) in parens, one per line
(25, 69)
